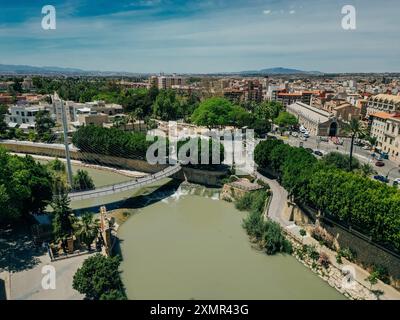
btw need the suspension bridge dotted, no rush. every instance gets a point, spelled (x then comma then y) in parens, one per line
(125, 186)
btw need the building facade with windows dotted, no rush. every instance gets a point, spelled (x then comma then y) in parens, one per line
(386, 128)
(383, 102)
(317, 122)
(24, 117)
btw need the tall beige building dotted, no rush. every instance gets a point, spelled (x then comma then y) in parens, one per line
(386, 128)
(383, 102)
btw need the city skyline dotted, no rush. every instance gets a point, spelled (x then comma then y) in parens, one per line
(210, 37)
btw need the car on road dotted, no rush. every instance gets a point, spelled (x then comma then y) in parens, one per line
(381, 178)
(366, 147)
(318, 153)
(396, 182)
(306, 134)
(324, 139)
(379, 163)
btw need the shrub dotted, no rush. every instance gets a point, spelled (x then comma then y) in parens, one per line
(323, 237)
(347, 253)
(274, 239)
(381, 272)
(312, 253)
(303, 232)
(252, 201)
(323, 260)
(254, 225)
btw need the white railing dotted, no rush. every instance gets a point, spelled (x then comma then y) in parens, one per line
(124, 186)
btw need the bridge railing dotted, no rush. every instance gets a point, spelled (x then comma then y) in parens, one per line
(124, 186)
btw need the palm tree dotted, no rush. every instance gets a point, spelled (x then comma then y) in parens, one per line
(353, 129)
(132, 116)
(86, 229)
(62, 217)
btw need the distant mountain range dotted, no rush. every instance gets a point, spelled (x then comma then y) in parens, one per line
(25, 69)
(280, 70)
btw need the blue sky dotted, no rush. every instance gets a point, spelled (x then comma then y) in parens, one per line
(202, 36)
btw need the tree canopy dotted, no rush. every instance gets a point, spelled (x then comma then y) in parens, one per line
(25, 187)
(367, 205)
(99, 279)
(218, 112)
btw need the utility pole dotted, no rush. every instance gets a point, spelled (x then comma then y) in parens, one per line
(67, 154)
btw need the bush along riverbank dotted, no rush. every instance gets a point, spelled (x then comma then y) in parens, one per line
(266, 234)
(270, 237)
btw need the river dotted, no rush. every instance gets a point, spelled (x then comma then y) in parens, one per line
(194, 247)
(190, 245)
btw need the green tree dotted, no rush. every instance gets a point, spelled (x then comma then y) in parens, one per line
(82, 181)
(353, 129)
(44, 123)
(99, 278)
(86, 228)
(285, 120)
(62, 217)
(340, 161)
(215, 113)
(3, 112)
(166, 106)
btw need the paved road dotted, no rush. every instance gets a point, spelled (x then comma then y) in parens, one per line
(27, 284)
(278, 202)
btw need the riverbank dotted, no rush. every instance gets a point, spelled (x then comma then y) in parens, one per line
(189, 246)
(353, 284)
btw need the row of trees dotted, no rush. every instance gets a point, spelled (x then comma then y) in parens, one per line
(113, 142)
(350, 197)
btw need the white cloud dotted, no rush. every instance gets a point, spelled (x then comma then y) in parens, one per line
(267, 11)
(292, 11)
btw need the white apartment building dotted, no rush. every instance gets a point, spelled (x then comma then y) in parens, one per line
(23, 116)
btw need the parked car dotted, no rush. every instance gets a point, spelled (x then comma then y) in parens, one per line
(384, 155)
(295, 134)
(306, 134)
(318, 153)
(381, 178)
(396, 182)
(324, 139)
(379, 163)
(366, 147)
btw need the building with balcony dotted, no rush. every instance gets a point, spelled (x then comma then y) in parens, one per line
(24, 117)
(383, 102)
(386, 128)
